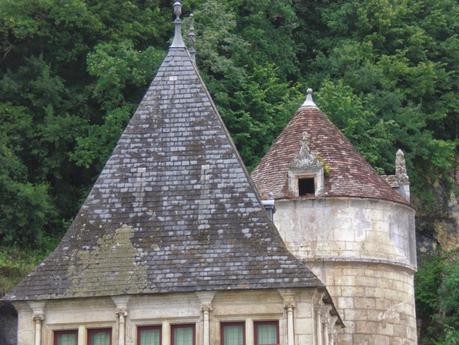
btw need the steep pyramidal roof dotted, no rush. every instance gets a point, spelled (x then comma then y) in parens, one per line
(349, 175)
(173, 209)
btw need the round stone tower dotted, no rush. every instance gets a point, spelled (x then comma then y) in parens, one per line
(354, 228)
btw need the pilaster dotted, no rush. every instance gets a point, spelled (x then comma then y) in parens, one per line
(121, 303)
(38, 317)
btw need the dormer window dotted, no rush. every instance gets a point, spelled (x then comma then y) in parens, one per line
(306, 186)
(305, 173)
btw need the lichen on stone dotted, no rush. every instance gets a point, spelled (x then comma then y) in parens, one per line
(111, 263)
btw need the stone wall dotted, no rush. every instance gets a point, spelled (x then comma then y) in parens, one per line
(168, 309)
(376, 302)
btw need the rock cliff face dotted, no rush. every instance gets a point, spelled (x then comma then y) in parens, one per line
(8, 324)
(440, 229)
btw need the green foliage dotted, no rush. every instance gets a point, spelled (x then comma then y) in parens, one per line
(392, 61)
(70, 76)
(437, 299)
(73, 72)
(15, 262)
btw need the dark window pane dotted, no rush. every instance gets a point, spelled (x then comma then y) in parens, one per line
(233, 334)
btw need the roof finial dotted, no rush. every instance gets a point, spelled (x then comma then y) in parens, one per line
(192, 39)
(309, 102)
(178, 39)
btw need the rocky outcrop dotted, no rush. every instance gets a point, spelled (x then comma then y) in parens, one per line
(440, 229)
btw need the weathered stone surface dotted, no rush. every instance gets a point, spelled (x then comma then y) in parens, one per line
(348, 229)
(385, 313)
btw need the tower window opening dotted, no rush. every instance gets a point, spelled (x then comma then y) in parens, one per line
(306, 186)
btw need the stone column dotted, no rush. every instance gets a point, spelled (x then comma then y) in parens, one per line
(38, 321)
(166, 333)
(325, 320)
(121, 318)
(82, 335)
(206, 298)
(249, 334)
(121, 303)
(332, 330)
(38, 316)
(288, 296)
(205, 309)
(290, 325)
(319, 336)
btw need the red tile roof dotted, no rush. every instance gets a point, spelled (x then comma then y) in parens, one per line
(350, 175)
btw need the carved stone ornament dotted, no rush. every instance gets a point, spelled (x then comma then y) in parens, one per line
(206, 308)
(38, 317)
(305, 160)
(121, 312)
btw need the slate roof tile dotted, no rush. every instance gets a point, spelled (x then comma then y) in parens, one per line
(173, 210)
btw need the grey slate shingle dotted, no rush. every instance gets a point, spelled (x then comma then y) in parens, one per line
(173, 209)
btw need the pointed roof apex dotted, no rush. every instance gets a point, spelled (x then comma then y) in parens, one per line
(178, 39)
(309, 102)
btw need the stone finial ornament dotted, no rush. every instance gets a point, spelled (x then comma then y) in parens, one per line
(401, 175)
(177, 9)
(309, 102)
(192, 39)
(178, 39)
(400, 167)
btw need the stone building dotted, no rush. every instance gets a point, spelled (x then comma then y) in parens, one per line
(173, 245)
(354, 230)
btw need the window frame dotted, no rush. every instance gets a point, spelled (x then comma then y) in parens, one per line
(56, 333)
(94, 330)
(148, 327)
(231, 323)
(311, 180)
(182, 325)
(265, 322)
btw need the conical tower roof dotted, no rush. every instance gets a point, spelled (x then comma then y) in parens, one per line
(348, 174)
(173, 209)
